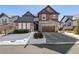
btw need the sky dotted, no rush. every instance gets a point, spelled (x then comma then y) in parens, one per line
(34, 9)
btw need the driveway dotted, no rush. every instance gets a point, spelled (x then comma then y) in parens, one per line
(53, 37)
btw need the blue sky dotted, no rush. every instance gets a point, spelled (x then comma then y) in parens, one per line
(21, 9)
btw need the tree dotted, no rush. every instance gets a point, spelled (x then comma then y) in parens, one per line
(5, 31)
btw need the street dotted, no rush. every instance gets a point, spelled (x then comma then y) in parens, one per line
(40, 49)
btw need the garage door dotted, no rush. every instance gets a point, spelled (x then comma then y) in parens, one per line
(48, 29)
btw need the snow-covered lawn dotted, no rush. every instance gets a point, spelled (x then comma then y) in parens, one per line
(71, 35)
(15, 39)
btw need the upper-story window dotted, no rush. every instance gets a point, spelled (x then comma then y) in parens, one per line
(53, 16)
(43, 16)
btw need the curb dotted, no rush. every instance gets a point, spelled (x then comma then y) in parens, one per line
(65, 43)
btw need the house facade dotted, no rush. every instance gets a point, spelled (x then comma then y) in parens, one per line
(6, 23)
(67, 23)
(48, 20)
(5, 19)
(26, 22)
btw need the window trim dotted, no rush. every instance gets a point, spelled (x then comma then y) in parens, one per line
(43, 15)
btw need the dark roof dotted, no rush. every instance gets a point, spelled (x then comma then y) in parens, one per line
(67, 18)
(28, 13)
(50, 11)
(3, 14)
(15, 16)
(24, 19)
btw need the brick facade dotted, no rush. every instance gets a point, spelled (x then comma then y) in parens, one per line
(51, 15)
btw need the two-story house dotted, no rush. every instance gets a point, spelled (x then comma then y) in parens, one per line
(26, 22)
(6, 23)
(48, 20)
(5, 19)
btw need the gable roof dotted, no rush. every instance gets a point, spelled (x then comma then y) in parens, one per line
(3, 14)
(66, 18)
(48, 9)
(24, 19)
(28, 13)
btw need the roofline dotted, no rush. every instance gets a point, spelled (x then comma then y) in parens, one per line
(29, 12)
(51, 8)
(64, 17)
(5, 15)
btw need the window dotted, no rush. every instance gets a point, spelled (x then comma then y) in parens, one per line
(5, 21)
(53, 17)
(10, 20)
(43, 16)
(69, 24)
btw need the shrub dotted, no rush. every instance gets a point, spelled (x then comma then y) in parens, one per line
(35, 35)
(76, 30)
(20, 31)
(38, 35)
(60, 29)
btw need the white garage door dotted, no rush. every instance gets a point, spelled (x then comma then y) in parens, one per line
(28, 25)
(19, 27)
(24, 25)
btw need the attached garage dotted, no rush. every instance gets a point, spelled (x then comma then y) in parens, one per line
(48, 29)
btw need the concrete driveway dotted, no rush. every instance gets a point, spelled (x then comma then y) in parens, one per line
(54, 37)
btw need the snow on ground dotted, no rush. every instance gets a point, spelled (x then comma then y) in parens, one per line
(71, 35)
(37, 41)
(14, 37)
(17, 39)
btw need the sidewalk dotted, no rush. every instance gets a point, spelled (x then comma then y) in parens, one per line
(71, 35)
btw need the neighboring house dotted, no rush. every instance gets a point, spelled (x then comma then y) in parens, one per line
(76, 16)
(14, 18)
(48, 20)
(67, 23)
(5, 19)
(75, 19)
(6, 23)
(26, 22)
